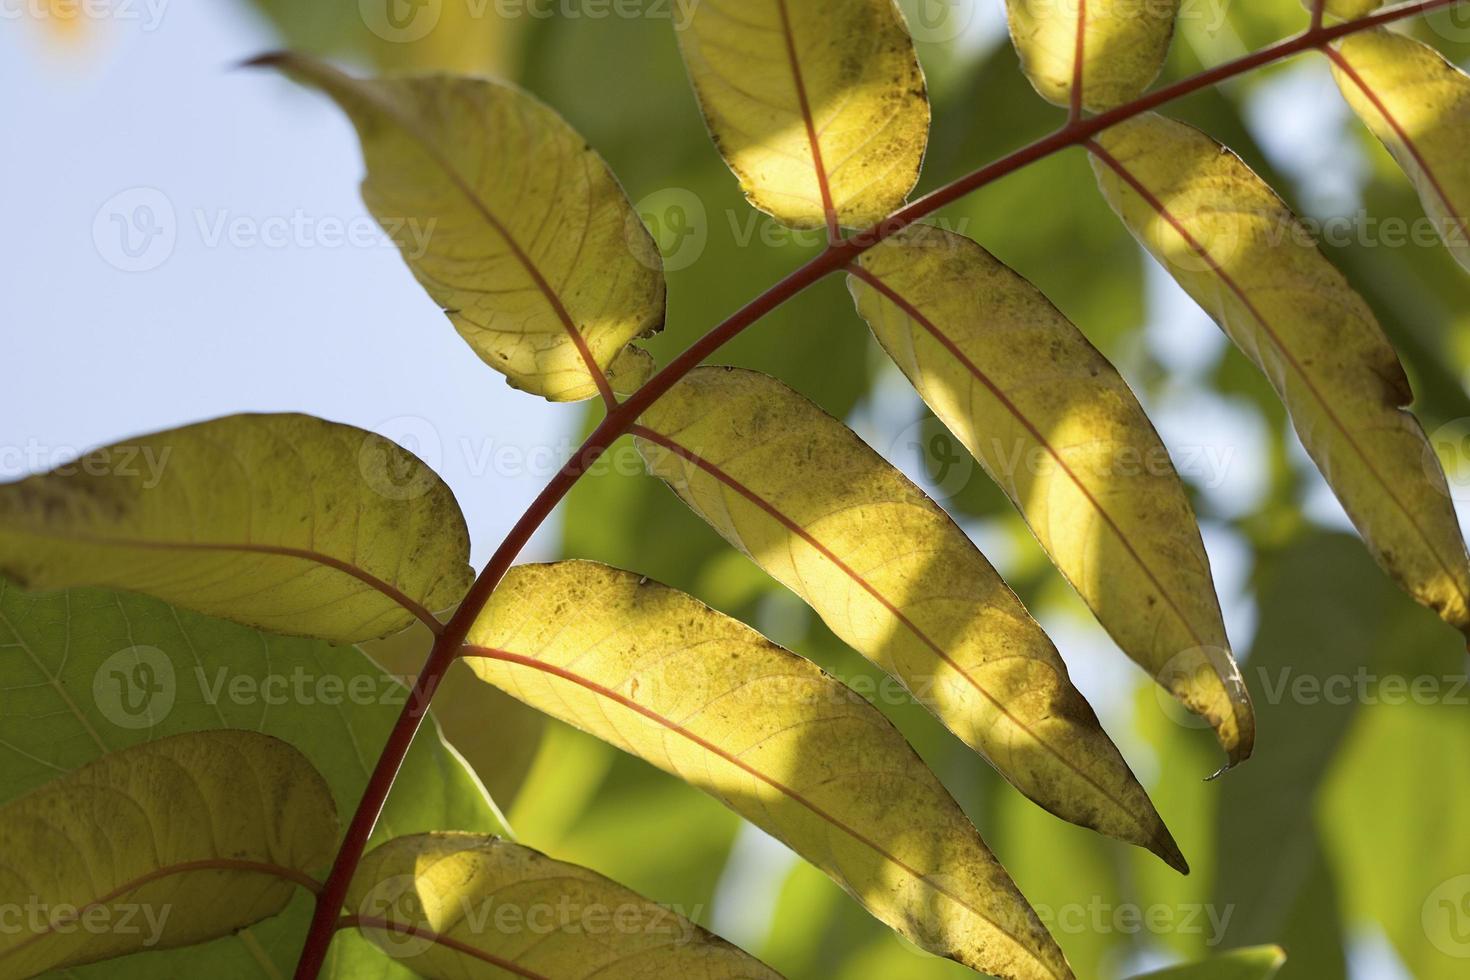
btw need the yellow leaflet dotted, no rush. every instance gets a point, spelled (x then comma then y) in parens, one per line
(701, 696)
(164, 844)
(430, 899)
(1240, 252)
(507, 219)
(1418, 104)
(1061, 433)
(1125, 43)
(1344, 9)
(818, 106)
(284, 522)
(897, 581)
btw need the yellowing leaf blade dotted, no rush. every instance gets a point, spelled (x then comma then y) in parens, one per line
(818, 107)
(456, 906)
(1418, 104)
(1237, 249)
(205, 832)
(508, 220)
(285, 522)
(896, 580)
(1096, 53)
(1059, 430)
(701, 696)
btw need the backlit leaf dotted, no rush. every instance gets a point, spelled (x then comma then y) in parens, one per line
(285, 522)
(1418, 104)
(92, 672)
(1057, 428)
(459, 906)
(818, 106)
(160, 845)
(1240, 252)
(783, 744)
(897, 581)
(1120, 44)
(507, 219)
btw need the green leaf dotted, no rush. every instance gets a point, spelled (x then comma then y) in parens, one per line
(160, 845)
(1059, 430)
(1240, 252)
(1418, 104)
(1120, 44)
(786, 746)
(1255, 963)
(818, 108)
(458, 906)
(896, 580)
(508, 220)
(285, 522)
(92, 672)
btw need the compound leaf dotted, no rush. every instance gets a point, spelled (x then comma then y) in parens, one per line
(161, 845)
(1094, 53)
(460, 906)
(1418, 104)
(285, 522)
(1059, 430)
(663, 677)
(818, 106)
(898, 581)
(1240, 252)
(508, 220)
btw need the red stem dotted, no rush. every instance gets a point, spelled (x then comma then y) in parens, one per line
(833, 258)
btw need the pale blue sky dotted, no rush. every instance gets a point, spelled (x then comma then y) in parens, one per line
(224, 323)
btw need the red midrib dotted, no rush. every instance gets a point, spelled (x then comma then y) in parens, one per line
(646, 433)
(917, 316)
(212, 864)
(828, 208)
(362, 575)
(1403, 135)
(1079, 58)
(505, 656)
(437, 938)
(1163, 212)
